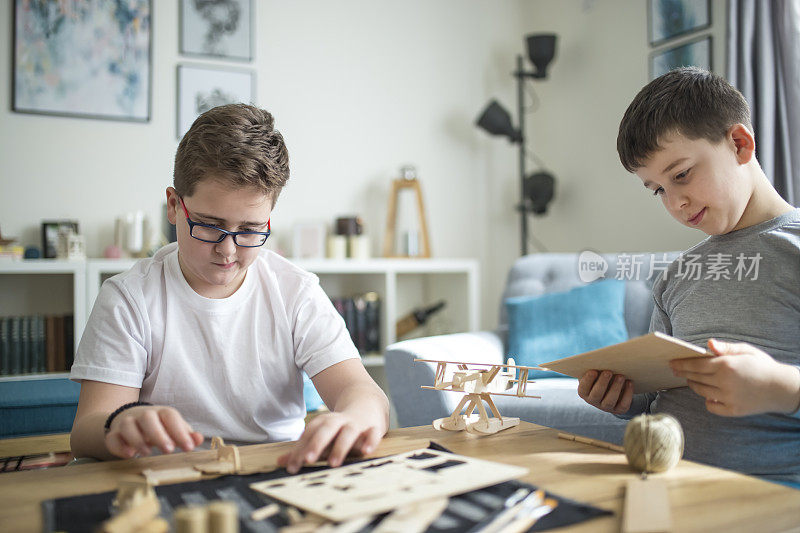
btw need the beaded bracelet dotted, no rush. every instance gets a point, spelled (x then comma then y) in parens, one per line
(113, 415)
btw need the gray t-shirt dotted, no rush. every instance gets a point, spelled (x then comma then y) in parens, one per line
(743, 286)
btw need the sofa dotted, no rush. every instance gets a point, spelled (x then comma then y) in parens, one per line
(559, 406)
(37, 406)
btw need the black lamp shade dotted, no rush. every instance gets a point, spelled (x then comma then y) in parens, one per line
(538, 190)
(541, 50)
(496, 120)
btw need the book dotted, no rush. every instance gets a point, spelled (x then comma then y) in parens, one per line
(25, 344)
(350, 318)
(644, 360)
(5, 349)
(61, 360)
(50, 343)
(372, 314)
(69, 341)
(360, 306)
(41, 362)
(15, 345)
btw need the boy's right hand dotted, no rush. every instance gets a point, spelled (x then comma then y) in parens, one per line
(138, 429)
(605, 390)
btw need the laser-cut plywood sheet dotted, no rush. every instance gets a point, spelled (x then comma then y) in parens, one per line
(644, 360)
(378, 486)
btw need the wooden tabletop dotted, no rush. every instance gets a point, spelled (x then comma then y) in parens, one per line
(702, 498)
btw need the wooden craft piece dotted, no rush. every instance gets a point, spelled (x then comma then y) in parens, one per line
(262, 513)
(644, 360)
(505, 517)
(592, 442)
(137, 513)
(131, 491)
(348, 526)
(646, 506)
(414, 518)
(227, 462)
(525, 519)
(171, 475)
(381, 485)
(223, 517)
(302, 523)
(479, 384)
(191, 519)
(158, 525)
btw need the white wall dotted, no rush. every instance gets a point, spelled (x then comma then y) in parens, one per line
(360, 87)
(601, 63)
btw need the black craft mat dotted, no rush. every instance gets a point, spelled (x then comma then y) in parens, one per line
(85, 513)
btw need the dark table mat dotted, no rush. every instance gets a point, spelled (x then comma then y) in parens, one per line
(85, 513)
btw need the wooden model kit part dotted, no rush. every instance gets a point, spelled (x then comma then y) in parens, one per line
(479, 385)
(380, 485)
(138, 510)
(218, 516)
(227, 461)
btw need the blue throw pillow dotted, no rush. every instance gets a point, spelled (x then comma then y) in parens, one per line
(552, 326)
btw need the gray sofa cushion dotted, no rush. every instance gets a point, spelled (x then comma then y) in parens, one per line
(559, 406)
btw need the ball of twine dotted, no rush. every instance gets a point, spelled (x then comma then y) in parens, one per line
(653, 443)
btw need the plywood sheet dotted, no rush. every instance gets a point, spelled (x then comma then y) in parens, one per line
(378, 486)
(644, 360)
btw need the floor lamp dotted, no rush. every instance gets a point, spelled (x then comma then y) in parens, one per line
(536, 190)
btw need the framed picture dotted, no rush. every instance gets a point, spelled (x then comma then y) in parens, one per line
(695, 53)
(50, 229)
(83, 59)
(668, 19)
(219, 29)
(201, 88)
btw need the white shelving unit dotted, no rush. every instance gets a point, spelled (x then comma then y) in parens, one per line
(402, 284)
(35, 295)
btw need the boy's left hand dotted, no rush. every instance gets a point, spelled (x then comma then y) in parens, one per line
(333, 435)
(741, 380)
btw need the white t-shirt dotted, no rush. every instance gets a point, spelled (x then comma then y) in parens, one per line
(231, 366)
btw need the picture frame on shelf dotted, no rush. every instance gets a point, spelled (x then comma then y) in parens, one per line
(668, 19)
(60, 69)
(696, 52)
(200, 88)
(50, 230)
(222, 30)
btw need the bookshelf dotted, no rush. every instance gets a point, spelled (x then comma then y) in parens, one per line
(43, 287)
(38, 286)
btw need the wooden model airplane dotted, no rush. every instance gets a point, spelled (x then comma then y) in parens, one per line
(479, 385)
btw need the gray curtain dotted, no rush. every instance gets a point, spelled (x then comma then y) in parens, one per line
(764, 64)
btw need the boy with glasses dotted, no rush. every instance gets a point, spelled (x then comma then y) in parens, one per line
(211, 335)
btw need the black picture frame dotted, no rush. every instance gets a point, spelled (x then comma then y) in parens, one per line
(670, 19)
(44, 83)
(223, 85)
(50, 229)
(685, 54)
(202, 34)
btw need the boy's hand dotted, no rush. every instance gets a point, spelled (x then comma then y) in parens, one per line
(333, 435)
(138, 429)
(605, 390)
(741, 380)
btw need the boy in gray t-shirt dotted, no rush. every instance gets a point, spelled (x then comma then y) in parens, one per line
(687, 136)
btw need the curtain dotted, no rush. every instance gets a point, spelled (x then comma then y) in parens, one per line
(764, 64)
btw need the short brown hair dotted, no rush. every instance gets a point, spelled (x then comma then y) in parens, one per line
(236, 143)
(688, 101)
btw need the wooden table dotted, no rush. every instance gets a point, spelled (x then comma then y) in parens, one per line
(702, 498)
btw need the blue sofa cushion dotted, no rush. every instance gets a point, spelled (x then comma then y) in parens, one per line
(556, 325)
(34, 407)
(312, 398)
